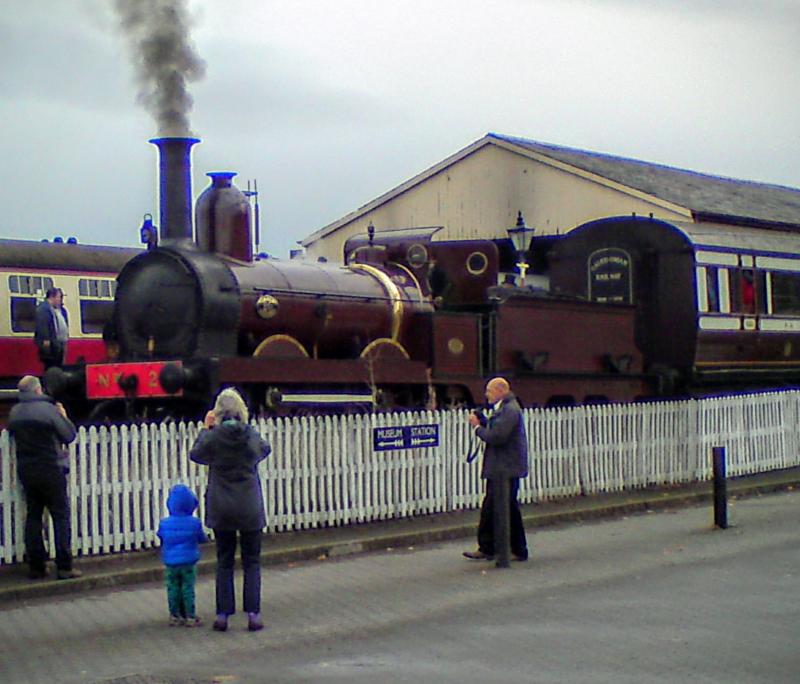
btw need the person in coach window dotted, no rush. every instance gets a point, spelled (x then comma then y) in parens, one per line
(505, 457)
(52, 329)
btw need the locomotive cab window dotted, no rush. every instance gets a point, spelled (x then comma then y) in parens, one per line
(477, 263)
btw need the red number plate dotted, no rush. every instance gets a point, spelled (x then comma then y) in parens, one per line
(102, 380)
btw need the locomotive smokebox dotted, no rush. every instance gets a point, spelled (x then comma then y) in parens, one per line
(175, 187)
(222, 218)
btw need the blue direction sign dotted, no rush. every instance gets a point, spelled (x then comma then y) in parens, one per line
(405, 437)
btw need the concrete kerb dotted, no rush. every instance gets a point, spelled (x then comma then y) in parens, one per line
(138, 567)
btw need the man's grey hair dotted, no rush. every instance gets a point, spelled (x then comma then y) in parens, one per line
(229, 405)
(30, 383)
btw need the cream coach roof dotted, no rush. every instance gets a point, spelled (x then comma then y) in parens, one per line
(477, 192)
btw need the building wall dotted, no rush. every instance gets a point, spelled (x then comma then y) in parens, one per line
(479, 197)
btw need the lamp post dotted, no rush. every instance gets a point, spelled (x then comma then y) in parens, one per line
(520, 237)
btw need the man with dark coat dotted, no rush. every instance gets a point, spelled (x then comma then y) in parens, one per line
(505, 458)
(52, 329)
(40, 428)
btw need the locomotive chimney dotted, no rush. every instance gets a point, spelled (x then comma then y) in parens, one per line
(175, 187)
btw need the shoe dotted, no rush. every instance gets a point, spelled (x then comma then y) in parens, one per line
(37, 574)
(220, 623)
(520, 559)
(69, 574)
(254, 622)
(175, 620)
(192, 621)
(477, 555)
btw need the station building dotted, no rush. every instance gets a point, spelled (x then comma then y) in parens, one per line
(479, 191)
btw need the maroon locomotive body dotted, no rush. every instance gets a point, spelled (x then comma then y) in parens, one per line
(406, 322)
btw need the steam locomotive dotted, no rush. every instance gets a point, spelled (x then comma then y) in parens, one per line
(407, 321)
(635, 308)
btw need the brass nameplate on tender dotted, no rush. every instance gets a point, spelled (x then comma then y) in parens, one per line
(267, 306)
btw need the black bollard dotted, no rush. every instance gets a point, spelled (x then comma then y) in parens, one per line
(502, 527)
(720, 489)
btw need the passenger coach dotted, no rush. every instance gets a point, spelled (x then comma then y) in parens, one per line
(716, 305)
(86, 274)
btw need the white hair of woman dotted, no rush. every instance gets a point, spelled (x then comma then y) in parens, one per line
(30, 383)
(230, 405)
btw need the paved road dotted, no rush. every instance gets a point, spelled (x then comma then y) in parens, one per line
(659, 597)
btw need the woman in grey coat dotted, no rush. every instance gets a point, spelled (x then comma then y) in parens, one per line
(232, 450)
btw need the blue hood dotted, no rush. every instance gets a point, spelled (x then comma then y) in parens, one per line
(181, 500)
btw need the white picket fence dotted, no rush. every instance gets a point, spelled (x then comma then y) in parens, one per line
(323, 471)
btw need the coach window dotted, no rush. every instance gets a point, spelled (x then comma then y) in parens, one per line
(712, 289)
(97, 303)
(95, 313)
(29, 285)
(743, 291)
(26, 293)
(23, 314)
(786, 294)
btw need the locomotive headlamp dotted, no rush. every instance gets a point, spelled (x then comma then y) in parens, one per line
(148, 232)
(521, 237)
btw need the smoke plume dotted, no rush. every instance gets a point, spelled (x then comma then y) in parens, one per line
(164, 59)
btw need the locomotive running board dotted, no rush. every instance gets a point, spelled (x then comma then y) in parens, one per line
(318, 372)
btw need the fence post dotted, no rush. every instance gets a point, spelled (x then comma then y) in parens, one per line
(720, 489)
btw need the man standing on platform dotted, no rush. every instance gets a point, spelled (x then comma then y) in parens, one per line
(40, 428)
(52, 329)
(505, 460)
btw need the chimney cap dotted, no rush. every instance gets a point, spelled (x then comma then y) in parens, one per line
(173, 138)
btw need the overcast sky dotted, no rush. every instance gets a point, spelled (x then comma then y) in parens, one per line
(330, 103)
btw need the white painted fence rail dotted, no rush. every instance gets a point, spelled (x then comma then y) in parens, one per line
(323, 471)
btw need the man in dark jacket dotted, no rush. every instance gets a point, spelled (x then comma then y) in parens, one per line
(52, 329)
(40, 428)
(505, 459)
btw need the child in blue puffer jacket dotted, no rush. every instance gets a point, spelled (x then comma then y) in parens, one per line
(180, 534)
